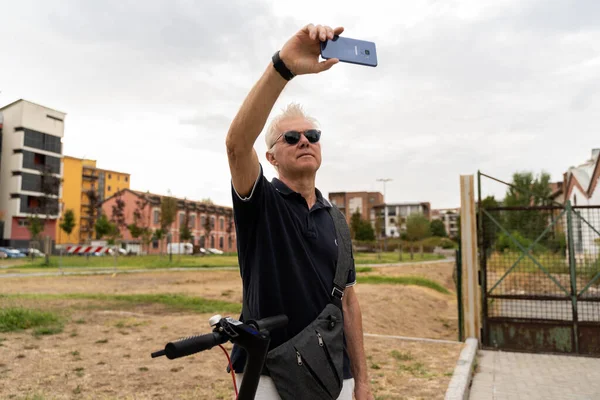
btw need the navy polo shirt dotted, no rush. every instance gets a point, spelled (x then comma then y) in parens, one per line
(287, 256)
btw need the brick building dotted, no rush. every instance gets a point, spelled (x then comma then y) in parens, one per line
(350, 202)
(221, 235)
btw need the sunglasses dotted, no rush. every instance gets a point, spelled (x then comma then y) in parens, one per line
(293, 137)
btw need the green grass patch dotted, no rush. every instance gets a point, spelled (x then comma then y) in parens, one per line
(394, 257)
(416, 369)
(48, 330)
(401, 356)
(173, 301)
(132, 262)
(364, 269)
(17, 319)
(404, 280)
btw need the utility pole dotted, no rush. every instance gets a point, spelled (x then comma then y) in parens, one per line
(385, 217)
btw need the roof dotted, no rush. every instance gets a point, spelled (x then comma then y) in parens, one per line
(157, 197)
(584, 175)
(30, 102)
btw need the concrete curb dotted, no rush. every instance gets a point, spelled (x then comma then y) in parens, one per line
(458, 389)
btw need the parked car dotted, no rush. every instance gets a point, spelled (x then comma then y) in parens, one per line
(215, 251)
(36, 252)
(12, 253)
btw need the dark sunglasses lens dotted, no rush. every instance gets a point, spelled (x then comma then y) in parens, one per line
(291, 137)
(312, 135)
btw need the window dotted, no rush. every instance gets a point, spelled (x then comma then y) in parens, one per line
(212, 241)
(23, 222)
(181, 219)
(230, 242)
(155, 244)
(193, 221)
(37, 161)
(109, 188)
(212, 223)
(156, 217)
(109, 176)
(202, 241)
(118, 177)
(202, 221)
(221, 242)
(222, 224)
(126, 179)
(42, 141)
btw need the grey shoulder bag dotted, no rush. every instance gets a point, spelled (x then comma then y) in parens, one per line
(310, 365)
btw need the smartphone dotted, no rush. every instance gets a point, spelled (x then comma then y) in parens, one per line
(350, 50)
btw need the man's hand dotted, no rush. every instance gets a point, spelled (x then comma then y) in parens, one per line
(301, 53)
(363, 392)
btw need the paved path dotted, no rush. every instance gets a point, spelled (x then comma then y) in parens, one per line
(523, 376)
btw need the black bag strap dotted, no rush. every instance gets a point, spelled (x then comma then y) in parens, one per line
(345, 261)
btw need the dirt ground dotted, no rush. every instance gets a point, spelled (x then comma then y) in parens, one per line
(104, 350)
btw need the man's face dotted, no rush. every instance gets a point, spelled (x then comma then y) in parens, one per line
(300, 158)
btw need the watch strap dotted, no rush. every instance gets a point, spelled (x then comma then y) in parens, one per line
(280, 66)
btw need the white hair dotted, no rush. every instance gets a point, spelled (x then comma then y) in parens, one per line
(293, 110)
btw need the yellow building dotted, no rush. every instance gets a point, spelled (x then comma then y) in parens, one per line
(84, 183)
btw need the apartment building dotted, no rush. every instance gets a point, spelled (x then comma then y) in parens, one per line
(219, 219)
(84, 184)
(350, 202)
(30, 161)
(392, 217)
(449, 216)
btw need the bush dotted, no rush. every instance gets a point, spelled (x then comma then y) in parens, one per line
(558, 244)
(447, 244)
(506, 243)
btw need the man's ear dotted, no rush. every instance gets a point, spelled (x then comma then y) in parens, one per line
(271, 159)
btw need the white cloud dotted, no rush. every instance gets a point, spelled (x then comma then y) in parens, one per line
(462, 85)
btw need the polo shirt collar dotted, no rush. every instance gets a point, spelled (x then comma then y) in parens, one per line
(285, 190)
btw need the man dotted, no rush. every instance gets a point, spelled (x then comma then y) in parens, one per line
(287, 245)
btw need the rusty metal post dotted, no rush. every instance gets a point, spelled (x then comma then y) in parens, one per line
(470, 285)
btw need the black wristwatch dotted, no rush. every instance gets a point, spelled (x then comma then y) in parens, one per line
(280, 66)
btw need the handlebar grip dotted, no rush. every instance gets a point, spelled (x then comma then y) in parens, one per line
(193, 344)
(270, 323)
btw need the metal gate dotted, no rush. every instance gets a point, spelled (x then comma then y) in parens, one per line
(540, 273)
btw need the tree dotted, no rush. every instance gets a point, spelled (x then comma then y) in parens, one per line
(528, 190)
(168, 211)
(185, 233)
(104, 227)
(35, 227)
(490, 229)
(117, 218)
(93, 208)
(139, 228)
(68, 223)
(158, 235)
(438, 228)
(208, 226)
(50, 187)
(361, 229)
(417, 229)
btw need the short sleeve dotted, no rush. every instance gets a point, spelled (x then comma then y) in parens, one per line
(351, 277)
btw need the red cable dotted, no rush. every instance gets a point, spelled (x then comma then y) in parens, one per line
(231, 369)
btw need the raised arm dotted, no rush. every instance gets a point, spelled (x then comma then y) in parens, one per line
(301, 55)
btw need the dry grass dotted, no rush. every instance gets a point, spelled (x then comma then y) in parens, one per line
(104, 350)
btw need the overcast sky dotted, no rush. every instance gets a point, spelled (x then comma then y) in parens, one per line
(151, 87)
